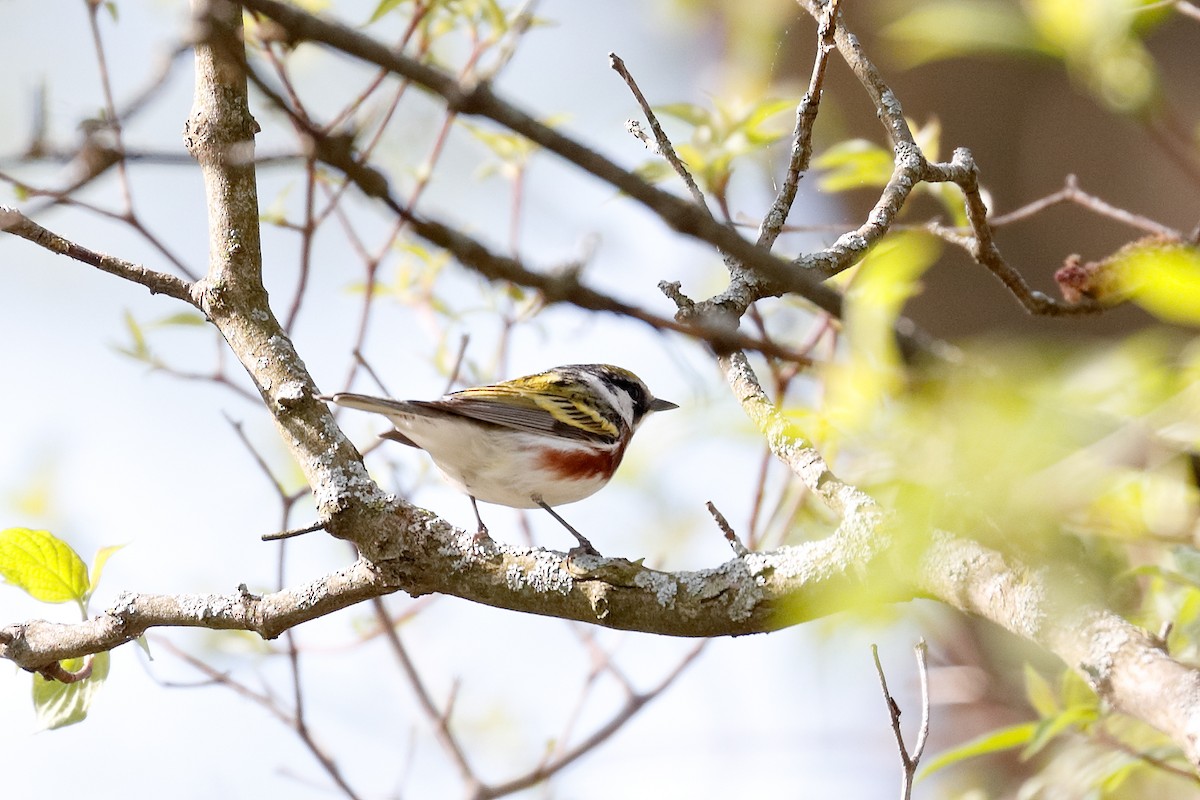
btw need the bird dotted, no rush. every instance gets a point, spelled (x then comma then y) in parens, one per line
(537, 441)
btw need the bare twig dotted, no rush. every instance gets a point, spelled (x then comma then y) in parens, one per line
(1071, 193)
(806, 117)
(439, 719)
(731, 536)
(16, 223)
(663, 146)
(291, 532)
(682, 215)
(963, 171)
(1187, 9)
(908, 762)
(271, 705)
(632, 706)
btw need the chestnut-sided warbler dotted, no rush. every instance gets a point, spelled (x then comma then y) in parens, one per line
(539, 441)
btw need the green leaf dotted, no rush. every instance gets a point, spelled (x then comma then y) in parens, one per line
(1164, 279)
(60, 704)
(934, 31)
(43, 565)
(1051, 727)
(1076, 694)
(144, 643)
(383, 8)
(181, 318)
(759, 124)
(688, 112)
(1187, 561)
(1039, 693)
(654, 171)
(888, 276)
(994, 742)
(139, 350)
(853, 164)
(102, 556)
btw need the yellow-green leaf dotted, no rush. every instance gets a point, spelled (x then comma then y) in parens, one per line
(853, 164)
(1039, 693)
(43, 565)
(383, 8)
(688, 112)
(181, 318)
(943, 29)
(138, 348)
(1164, 280)
(102, 556)
(60, 704)
(994, 742)
(1051, 727)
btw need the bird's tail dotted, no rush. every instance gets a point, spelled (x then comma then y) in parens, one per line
(363, 402)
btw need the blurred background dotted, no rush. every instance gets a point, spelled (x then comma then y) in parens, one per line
(114, 431)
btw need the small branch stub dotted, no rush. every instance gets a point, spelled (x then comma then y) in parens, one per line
(730, 535)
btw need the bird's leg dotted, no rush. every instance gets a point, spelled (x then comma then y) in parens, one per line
(585, 547)
(481, 535)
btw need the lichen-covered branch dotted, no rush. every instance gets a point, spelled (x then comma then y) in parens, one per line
(220, 135)
(1124, 664)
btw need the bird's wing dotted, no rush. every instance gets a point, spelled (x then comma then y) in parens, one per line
(528, 410)
(511, 407)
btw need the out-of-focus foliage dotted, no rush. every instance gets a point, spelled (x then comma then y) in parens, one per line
(1113, 755)
(1079, 458)
(719, 137)
(1160, 275)
(861, 163)
(58, 705)
(1099, 41)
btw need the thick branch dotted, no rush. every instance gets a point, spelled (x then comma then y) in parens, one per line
(755, 593)
(1124, 664)
(32, 645)
(220, 135)
(759, 592)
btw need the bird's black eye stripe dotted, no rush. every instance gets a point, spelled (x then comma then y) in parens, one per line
(636, 392)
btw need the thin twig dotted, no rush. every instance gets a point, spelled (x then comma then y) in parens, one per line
(1071, 193)
(16, 223)
(681, 215)
(632, 706)
(291, 532)
(962, 170)
(268, 703)
(663, 146)
(438, 718)
(730, 535)
(908, 762)
(806, 117)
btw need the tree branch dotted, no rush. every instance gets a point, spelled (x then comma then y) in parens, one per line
(479, 100)
(1125, 665)
(16, 223)
(220, 135)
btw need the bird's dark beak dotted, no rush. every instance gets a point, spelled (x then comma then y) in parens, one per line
(661, 405)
